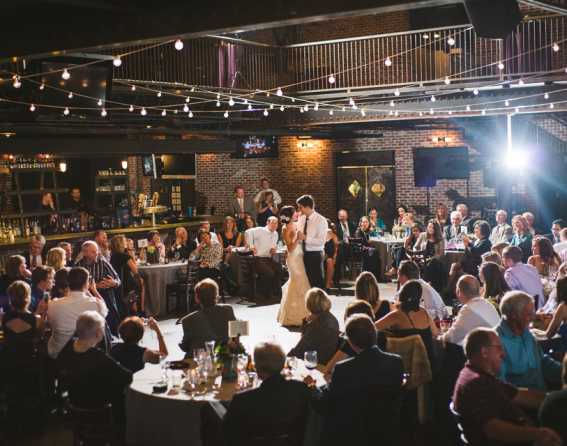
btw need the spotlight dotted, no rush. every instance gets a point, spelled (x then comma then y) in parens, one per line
(178, 45)
(116, 61)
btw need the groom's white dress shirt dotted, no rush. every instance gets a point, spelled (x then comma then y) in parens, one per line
(316, 235)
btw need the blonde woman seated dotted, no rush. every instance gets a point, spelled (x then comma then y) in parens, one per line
(410, 318)
(57, 258)
(320, 331)
(366, 288)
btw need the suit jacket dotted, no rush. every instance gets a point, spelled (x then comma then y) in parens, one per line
(501, 233)
(322, 335)
(340, 232)
(361, 405)
(249, 207)
(277, 407)
(204, 325)
(450, 232)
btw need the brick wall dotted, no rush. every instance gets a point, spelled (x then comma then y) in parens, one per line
(299, 171)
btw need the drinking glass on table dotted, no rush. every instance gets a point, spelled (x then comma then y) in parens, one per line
(210, 347)
(310, 358)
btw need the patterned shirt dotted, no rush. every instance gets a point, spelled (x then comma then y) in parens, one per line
(210, 254)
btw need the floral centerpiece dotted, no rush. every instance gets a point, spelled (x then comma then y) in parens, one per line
(226, 354)
(152, 255)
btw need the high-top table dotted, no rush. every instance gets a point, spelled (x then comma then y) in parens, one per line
(157, 277)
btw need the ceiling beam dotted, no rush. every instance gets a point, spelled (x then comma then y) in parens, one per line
(546, 6)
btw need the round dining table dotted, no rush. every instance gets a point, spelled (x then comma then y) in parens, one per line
(173, 418)
(157, 277)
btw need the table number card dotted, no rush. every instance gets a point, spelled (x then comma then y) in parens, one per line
(142, 243)
(238, 328)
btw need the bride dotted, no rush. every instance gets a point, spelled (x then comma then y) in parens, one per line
(292, 308)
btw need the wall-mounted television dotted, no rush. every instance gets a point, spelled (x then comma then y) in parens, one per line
(256, 147)
(434, 163)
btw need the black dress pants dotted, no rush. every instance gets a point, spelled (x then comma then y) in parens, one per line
(313, 261)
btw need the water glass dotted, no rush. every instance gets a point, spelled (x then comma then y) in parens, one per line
(210, 347)
(252, 379)
(217, 383)
(175, 378)
(242, 361)
(310, 358)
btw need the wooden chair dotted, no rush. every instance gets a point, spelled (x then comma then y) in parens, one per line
(183, 290)
(356, 253)
(91, 427)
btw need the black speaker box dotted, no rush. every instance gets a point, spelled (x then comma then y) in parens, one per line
(493, 19)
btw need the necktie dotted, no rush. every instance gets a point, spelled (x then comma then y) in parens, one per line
(305, 232)
(345, 231)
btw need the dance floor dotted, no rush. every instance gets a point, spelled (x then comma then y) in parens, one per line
(263, 324)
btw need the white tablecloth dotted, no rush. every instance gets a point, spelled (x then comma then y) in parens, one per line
(157, 277)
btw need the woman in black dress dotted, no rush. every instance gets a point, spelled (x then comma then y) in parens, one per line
(131, 291)
(266, 208)
(370, 258)
(331, 249)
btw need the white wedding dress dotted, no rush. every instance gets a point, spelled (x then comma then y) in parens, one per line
(292, 308)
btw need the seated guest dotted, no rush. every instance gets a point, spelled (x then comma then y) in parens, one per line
(544, 258)
(22, 329)
(34, 254)
(101, 239)
(401, 253)
(366, 288)
(530, 219)
(522, 277)
(561, 247)
(229, 237)
(277, 408)
(68, 251)
(208, 254)
(553, 410)
(454, 233)
(522, 236)
(556, 227)
(56, 258)
(502, 232)
(474, 250)
(330, 250)
(206, 226)
(155, 246)
(492, 410)
(466, 219)
(131, 292)
(265, 187)
(241, 205)
(249, 222)
(62, 314)
(498, 248)
(60, 284)
(210, 323)
(321, 329)
(377, 225)
(182, 246)
(494, 284)
(491, 256)
(42, 282)
(430, 243)
(266, 208)
(15, 269)
(263, 243)
(370, 257)
(131, 249)
(442, 215)
(410, 318)
(430, 298)
(363, 389)
(475, 312)
(129, 353)
(93, 378)
(402, 210)
(558, 323)
(106, 280)
(524, 364)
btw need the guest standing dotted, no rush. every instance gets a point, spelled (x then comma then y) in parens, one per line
(241, 205)
(266, 208)
(265, 187)
(131, 292)
(331, 249)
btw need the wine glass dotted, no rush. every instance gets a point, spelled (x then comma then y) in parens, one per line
(310, 358)
(210, 347)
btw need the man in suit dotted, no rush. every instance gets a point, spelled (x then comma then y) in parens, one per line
(502, 232)
(345, 229)
(556, 227)
(455, 231)
(240, 205)
(361, 405)
(210, 322)
(278, 408)
(34, 255)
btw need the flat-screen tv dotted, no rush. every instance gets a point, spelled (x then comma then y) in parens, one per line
(257, 147)
(433, 163)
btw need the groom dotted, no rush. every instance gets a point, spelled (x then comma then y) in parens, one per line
(312, 234)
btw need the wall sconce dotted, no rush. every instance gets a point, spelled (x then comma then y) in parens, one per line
(124, 164)
(305, 145)
(445, 139)
(63, 166)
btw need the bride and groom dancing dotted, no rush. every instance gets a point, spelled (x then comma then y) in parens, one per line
(305, 239)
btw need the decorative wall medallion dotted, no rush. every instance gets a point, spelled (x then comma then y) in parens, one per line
(354, 188)
(378, 189)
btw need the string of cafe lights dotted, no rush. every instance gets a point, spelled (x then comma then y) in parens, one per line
(231, 102)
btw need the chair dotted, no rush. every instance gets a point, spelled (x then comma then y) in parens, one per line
(355, 259)
(183, 290)
(462, 440)
(91, 427)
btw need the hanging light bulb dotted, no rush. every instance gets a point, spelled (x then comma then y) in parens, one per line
(362, 112)
(271, 106)
(143, 112)
(332, 79)
(388, 61)
(450, 41)
(506, 102)
(17, 83)
(42, 86)
(99, 103)
(331, 112)
(282, 108)
(555, 47)
(449, 112)
(245, 101)
(279, 92)
(425, 36)
(159, 94)
(351, 101)
(131, 108)
(551, 105)
(391, 113)
(396, 113)
(436, 35)
(546, 96)
(306, 108)
(447, 80)
(475, 91)
(186, 108)
(124, 164)
(517, 110)
(483, 112)
(267, 94)
(70, 95)
(433, 99)
(316, 108)
(266, 113)
(292, 99)
(66, 75)
(249, 106)
(187, 99)
(392, 103)
(431, 111)
(218, 104)
(468, 108)
(190, 114)
(103, 113)
(63, 166)
(116, 61)
(164, 112)
(178, 45)
(66, 111)
(192, 89)
(32, 108)
(500, 66)
(521, 82)
(226, 114)
(396, 92)
(231, 102)
(133, 88)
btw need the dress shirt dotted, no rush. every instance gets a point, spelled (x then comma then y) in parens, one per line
(100, 269)
(501, 233)
(316, 231)
(62, 315)
(262, 239)
(277, 197)
(525, 278)
(477, 312)
(346, 230)
(560, 248)
(240, 203)
(211, 254)
(431, 301)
